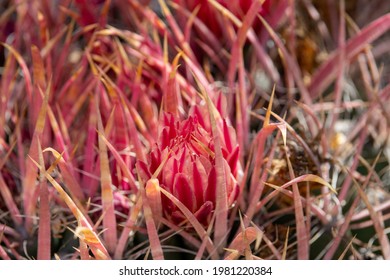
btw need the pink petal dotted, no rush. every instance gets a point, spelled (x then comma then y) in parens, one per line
(226, 136)
(203, 215)
(212, 186)
(233, 159)
(198, 182)
(183, 191)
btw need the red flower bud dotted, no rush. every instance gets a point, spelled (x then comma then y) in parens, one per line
(185, 149)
